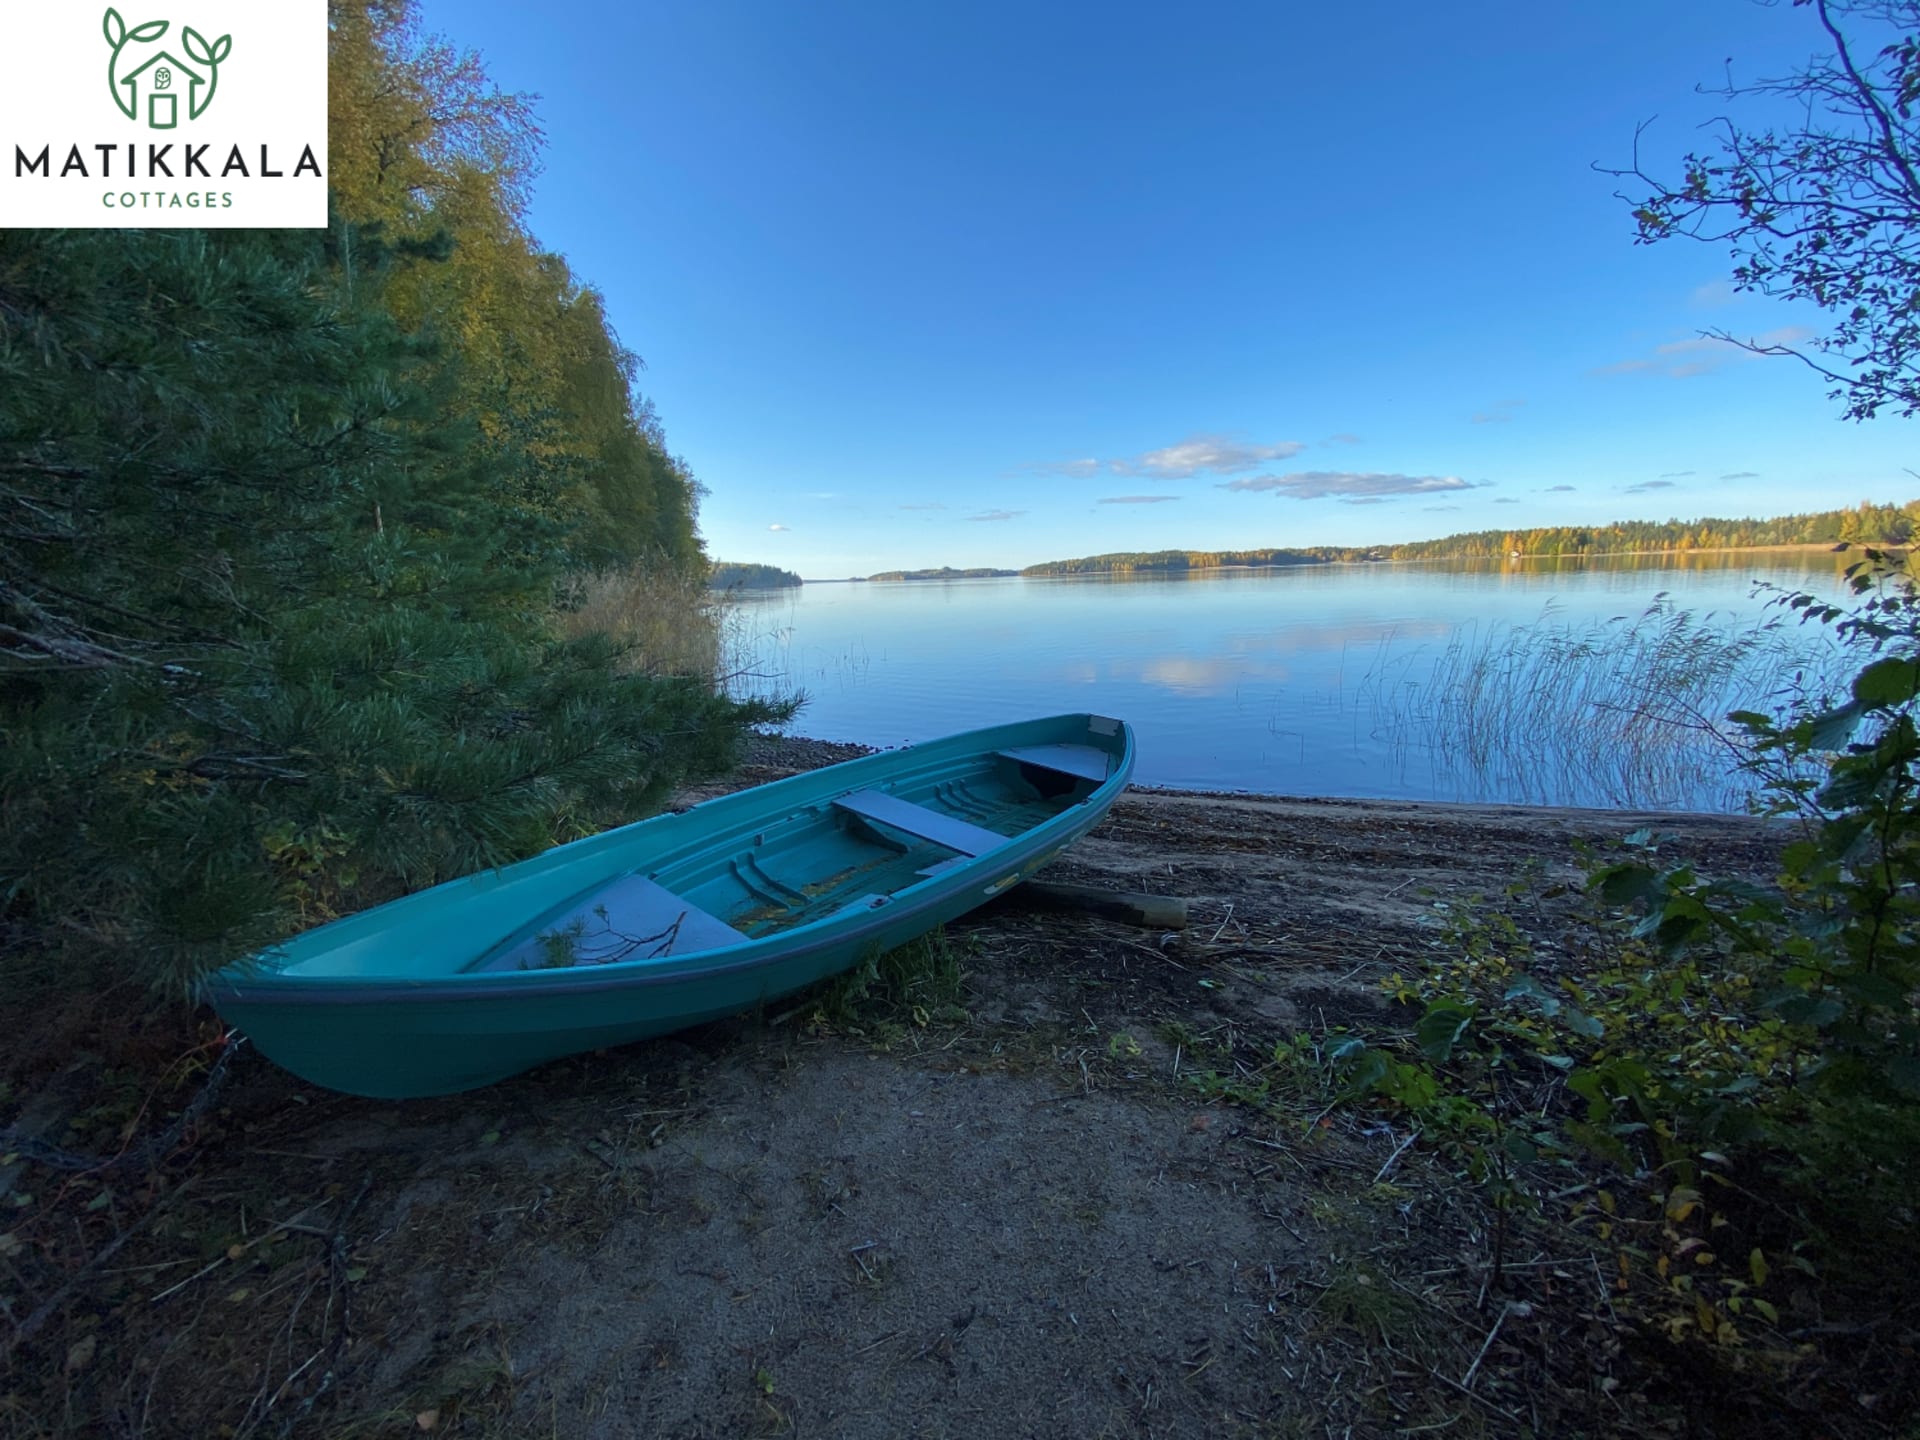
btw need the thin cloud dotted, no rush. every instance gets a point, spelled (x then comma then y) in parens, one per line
(1068, 469)
(996, 515)
(1498, 413)
(776, 526)
(1316, 484)
(1714, 292)
(1138, 499)
(1646, 485)
(1366, 500)
(1555, 489)
(1506, 500)
(1674, 474)
(1742, 475)
(1703, 355)
(1437, 509)
(1205, 454)
(926, 505)
(1341, 439)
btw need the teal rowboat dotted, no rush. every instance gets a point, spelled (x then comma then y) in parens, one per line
(675, 920)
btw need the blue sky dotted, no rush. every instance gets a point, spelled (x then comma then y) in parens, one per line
(993, 284)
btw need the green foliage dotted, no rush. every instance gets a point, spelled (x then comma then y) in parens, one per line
(1821, 206)
(274, 641)
(734, 575)
(1828, 957)
(1717, 1025)
(425, 151)
(920, 983)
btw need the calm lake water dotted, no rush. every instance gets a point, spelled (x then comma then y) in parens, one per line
(1521, 682)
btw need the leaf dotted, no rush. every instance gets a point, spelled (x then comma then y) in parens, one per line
(100, 1201)
(1852, 785)
(222, 48)
(1519, 1148)
(1440, 1029)
(1366, 1072)
(196, 45)
(1872, 989)
(1582, 1023)
(1624, 883)
(427, 1420)
(1766, 1308)
(1525, 986)
(1757, 1265)
(1681, 1202)
(80, 1353)
(492, 1137)
(114, 26)
(356, 1274)
(236, 1296)
(1832, 730)
(1814, 1010)
(1889, 682)
(152, 30)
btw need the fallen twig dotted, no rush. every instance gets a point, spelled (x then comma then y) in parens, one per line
(1398, 1151)
(50, 1307)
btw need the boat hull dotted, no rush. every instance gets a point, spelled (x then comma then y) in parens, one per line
(390, 1003)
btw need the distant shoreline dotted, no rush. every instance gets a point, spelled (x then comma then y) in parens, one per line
(894, 577)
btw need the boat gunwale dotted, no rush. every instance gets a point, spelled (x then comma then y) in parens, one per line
(271, 987)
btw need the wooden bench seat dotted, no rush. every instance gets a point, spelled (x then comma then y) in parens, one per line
(918, 820)
(1081, 761)
(632, 918)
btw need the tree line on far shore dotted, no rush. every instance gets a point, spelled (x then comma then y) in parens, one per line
(736, 575)
(1864, 524)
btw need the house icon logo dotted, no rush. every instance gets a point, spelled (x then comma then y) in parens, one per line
(152, 83)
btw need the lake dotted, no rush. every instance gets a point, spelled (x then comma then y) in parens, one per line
(1597, 682)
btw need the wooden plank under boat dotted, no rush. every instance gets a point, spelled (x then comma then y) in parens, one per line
(675, 920)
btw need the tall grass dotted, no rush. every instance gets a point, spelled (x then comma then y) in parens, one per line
(1627, 712)
(661, 614)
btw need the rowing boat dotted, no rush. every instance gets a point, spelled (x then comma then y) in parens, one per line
(674, 920)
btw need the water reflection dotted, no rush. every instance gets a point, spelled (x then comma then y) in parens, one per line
(1330, 680)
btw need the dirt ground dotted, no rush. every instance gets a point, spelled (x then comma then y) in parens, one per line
(1021, 1220)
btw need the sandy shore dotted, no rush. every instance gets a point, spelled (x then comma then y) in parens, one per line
(1017, 1215)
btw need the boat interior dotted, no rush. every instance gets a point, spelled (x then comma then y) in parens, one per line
(850, 852)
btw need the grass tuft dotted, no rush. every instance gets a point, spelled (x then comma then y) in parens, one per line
(1628, 712)
(921, 982)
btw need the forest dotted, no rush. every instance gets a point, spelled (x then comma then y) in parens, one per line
(313, 544)
(735, 575)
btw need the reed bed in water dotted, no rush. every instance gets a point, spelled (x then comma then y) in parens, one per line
(1628, 712)
(664, 615)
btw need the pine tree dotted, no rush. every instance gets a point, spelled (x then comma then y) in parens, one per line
(275, 635)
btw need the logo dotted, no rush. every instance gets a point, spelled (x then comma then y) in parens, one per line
(141, 71)
(198, 141)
